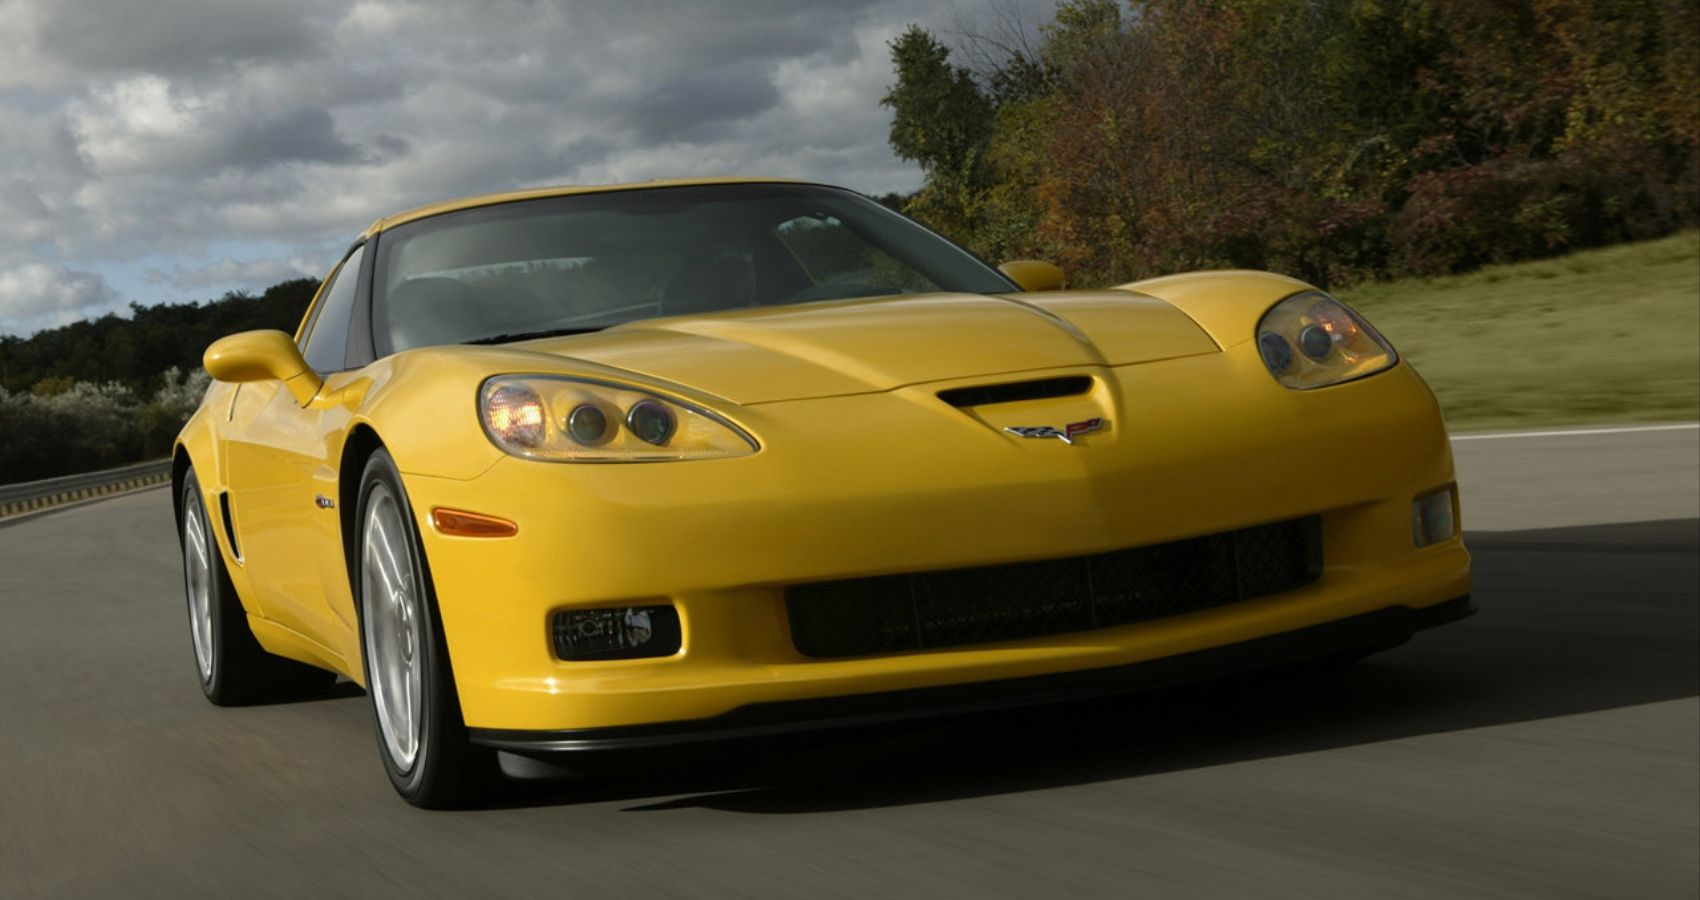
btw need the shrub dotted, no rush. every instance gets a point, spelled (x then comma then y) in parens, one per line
(84, 426)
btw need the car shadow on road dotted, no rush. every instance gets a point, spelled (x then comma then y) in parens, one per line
(1572, 620)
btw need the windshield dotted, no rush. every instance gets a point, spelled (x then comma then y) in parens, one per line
(587, 261)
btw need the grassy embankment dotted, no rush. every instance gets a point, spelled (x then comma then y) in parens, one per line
(1609, 335)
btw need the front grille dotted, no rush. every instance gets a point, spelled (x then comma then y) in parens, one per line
(952, 608)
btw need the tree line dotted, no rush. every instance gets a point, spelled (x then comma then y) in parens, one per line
(134, 351)
(110, 391)
(1335, 140)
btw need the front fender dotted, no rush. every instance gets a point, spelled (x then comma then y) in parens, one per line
(1226, 304)
(423, 407)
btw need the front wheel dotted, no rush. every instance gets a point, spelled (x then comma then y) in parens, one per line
(415, 709)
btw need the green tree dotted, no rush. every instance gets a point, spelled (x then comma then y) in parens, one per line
(134, 351)
(942, 120)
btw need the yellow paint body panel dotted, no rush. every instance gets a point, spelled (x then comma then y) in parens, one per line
(721, 539)
(862, 470)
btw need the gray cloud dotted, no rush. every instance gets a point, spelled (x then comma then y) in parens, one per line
(708, 105)
(172, 128)
(258, 273)
(302, 135)
(173, 36)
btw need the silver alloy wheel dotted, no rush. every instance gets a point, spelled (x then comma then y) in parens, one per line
(197, 581)
(389, 602)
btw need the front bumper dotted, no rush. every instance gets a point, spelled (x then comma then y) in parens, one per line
(865, 485)
(1369, 631)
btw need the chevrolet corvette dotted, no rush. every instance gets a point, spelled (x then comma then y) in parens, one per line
(602, 468)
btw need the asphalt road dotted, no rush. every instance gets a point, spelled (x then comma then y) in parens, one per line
(1548, 747)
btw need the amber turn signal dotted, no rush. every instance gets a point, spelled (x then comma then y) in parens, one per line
(460, 523)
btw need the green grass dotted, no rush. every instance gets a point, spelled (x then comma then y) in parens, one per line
(1608, 335)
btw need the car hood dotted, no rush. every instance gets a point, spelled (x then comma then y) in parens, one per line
(861, 346)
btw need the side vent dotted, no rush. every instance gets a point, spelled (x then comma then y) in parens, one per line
(1042, 389)
(229, 524)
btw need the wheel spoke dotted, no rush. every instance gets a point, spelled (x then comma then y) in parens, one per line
(197, 580)
(197, 539)
(382, 556)
(390, 605)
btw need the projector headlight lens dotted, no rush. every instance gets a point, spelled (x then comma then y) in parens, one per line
(562, 419)
(1315, 342)
(1277, 353)
(587, 424)
(650, 421)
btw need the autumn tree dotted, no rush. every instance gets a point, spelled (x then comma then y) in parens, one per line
(1331, 139)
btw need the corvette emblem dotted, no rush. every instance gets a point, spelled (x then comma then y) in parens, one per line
(1066, 434)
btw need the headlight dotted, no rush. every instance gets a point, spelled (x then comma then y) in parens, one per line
(1312, 340)
(571, 420)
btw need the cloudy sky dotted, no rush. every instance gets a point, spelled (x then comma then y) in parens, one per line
(170, 150)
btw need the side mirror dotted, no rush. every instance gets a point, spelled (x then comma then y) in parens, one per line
(1034, 275)
(262, 356)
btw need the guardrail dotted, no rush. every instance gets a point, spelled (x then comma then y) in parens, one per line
(28, 496)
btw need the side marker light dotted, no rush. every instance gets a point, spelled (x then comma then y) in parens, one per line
(460, 523)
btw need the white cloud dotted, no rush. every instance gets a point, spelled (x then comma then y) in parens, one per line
(37, 296)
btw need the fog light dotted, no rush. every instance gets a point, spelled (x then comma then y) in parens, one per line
(1431, 518)
(631, 632)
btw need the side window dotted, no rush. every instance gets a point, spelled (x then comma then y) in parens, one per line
(327, 342)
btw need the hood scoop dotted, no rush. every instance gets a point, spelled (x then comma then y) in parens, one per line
(1015, 391)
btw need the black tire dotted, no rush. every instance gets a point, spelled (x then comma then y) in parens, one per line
(446, 770)
(239, 672)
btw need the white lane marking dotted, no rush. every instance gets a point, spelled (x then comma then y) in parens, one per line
(1687, 426)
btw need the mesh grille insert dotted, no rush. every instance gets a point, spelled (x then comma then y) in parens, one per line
(952, 608)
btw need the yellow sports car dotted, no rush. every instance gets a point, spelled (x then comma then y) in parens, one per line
(640, 465)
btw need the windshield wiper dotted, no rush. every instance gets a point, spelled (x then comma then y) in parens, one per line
(530, 335)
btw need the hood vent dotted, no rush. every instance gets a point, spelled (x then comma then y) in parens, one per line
(1042, 389)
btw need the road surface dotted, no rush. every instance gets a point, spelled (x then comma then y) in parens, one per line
(1547, 747)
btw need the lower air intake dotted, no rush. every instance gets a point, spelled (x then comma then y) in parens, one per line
(953, 608)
